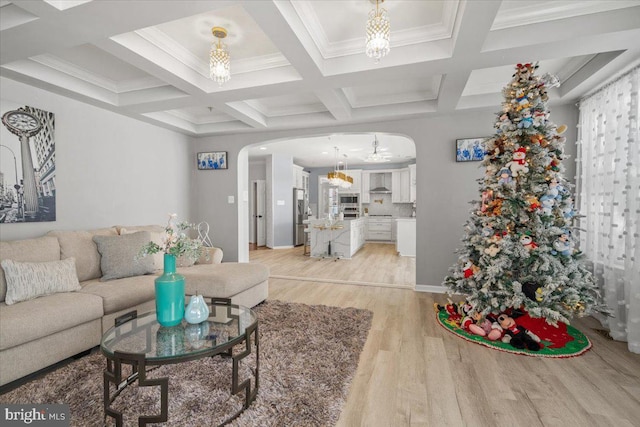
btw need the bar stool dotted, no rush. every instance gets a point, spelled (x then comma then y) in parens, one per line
(307, 241)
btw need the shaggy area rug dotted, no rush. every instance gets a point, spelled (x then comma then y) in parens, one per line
(559, 342)
(308, 357)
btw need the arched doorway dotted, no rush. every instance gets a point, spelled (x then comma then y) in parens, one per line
(314, 154)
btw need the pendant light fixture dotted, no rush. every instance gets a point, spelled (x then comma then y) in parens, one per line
(337, 177)
(378, 32)
(376, 157)
(219, 59)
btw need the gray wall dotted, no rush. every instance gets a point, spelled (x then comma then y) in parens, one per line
(257, 170)
(110, 169)
(444, 187)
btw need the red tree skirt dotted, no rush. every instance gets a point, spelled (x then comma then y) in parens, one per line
(560, 342)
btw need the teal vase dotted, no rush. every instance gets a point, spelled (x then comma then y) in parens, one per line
(170, 294)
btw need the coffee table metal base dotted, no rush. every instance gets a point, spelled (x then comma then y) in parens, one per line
(140, 368)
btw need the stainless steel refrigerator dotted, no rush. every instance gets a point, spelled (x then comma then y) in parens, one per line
(299, 215)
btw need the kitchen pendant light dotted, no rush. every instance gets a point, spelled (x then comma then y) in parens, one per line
(337, 177)
(376, 157)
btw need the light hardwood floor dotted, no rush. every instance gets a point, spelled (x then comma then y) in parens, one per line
(414, 373)
(375, 263)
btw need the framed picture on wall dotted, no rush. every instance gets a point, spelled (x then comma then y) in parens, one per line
(27, 164)
(470, 149)
(212, 160)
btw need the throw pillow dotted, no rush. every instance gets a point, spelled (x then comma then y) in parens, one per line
(29, 280)
(80, 245)
(156, 237)
(119, 255)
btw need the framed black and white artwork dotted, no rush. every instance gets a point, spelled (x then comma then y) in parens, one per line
(212, 160)
(27, 164)
(470, 149)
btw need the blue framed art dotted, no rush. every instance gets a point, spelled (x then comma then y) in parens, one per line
(470, 149)
(212, 160)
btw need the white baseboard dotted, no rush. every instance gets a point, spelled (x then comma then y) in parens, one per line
(431, 288)
(283, 247)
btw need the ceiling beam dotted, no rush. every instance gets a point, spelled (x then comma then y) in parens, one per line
(470, 32)
(595, 73)
(335, 101)
(269, 16)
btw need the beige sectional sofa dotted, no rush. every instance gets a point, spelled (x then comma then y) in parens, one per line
(39, 332)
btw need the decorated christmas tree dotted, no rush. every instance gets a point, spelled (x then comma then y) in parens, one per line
(518, 248)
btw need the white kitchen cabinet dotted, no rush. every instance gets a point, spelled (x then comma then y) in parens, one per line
(379, 229)
(406, 238)
(300, 178)
(365, 184)
(400, 186)
(357, 235)
(412, 183)
(297, 176)
(394, 230)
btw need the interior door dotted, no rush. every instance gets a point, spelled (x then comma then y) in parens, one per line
(261, 209)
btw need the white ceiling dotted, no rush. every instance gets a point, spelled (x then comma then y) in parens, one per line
(301, 64)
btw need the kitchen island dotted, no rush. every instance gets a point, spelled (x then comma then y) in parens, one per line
(338, 239)
(406, 236)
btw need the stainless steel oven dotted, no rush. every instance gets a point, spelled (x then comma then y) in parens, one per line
(351, 213)
(350, 199)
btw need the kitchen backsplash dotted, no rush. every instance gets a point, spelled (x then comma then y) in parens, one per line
(387, 207)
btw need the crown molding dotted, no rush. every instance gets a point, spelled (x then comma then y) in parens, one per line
(535, 13)
(217, 117)
(289, 110)
(428, 94)
(164, 42)
(142, 83)
(75, 71)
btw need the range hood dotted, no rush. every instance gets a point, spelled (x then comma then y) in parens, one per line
(380, 190)
(380, 187)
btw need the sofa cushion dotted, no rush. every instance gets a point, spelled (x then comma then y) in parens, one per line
(210, 255)
(120, 294)
(29, 280)
(119, 255)
(80, 245)
(40, 317)
(29, 250)
(222, 280)
(157, 234)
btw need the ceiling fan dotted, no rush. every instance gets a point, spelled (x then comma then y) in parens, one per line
(376, 157)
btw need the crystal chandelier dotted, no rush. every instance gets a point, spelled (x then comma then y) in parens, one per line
(337, 177)
(376, 157)
(219, 59)
(378, 33)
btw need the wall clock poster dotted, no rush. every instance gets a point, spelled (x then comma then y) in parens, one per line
(27, 164)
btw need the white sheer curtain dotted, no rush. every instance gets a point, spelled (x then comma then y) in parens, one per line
(609, 198)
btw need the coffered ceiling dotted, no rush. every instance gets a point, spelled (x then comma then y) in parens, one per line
(298, 64)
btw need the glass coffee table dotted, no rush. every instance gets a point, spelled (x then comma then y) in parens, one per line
(140, 342)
